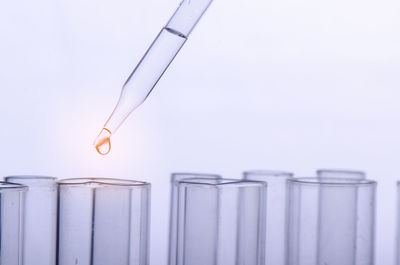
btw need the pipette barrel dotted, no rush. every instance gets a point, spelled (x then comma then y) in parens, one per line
(187, 15)
(145, 76)
(156, 60)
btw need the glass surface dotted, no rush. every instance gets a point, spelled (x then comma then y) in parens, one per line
(276, 209)
(12, 198)
(103, 222)
(40, 219)
(331, 221)
(220, 222)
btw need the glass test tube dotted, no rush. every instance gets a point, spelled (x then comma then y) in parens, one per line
(220, 222)
(173, 224)
(152, 66)
(276, 209)
(40, 219)
(325, 226)
(341, 173)
(103, 221)
(398, 225)
(12, 198)
(326, 174)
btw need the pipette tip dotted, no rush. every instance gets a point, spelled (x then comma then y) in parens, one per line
(102, 143)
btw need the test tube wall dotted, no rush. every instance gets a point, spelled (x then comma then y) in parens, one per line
(40, 219)
(276, 209)
(103, 221)
(328, 224)
(173, 224)
(220, 222)
(12, 198)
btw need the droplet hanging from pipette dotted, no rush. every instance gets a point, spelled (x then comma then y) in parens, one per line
(102, 142)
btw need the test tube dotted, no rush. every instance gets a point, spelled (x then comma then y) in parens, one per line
(329, 174)
(220, 222)
(398, 225)
(276, 208)
(40, 219)
(152, 66)
(12, 198)
(175, 178)
(325, 226)
(103, 221)
(341, 173)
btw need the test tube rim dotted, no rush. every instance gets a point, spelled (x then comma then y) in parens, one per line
(269, 173)
(341, 182)
(330, 170)
(174, 176)
(113, 182)
(29, 177)
(223, 182)
(10, 186)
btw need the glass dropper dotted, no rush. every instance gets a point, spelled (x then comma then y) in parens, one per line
(151, 67)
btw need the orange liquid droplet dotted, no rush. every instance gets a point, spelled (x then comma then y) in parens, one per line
(102, 142)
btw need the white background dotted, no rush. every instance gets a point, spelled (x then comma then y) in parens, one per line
(266, 84)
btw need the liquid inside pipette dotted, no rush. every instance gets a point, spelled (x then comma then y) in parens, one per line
(102, 142)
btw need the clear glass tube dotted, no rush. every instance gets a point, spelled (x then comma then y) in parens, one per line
(173, 224)
(276, 208)
(40, 219)
(12, 197)
(341, 173)
(103, 221)
(398, 225)
(331, 221)
(220, 222)
(151, 67)
(337, 174)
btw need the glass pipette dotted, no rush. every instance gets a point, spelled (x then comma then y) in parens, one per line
(152, 66)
